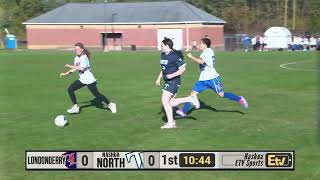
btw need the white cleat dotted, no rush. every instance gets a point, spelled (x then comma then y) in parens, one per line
(169, 126)
(74, 110)
(195, 101)
(113, 107)
(181, 113)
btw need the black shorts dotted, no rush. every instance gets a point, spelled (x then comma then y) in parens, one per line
(171, 87)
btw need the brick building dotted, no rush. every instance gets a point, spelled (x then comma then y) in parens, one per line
(123, 25)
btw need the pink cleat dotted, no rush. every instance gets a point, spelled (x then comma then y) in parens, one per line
(243, 102)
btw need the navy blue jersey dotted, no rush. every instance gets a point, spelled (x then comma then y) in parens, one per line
(170, 63)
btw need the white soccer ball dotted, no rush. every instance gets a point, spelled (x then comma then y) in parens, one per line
(60, 120)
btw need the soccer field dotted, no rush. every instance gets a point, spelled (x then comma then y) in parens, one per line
(282, 113)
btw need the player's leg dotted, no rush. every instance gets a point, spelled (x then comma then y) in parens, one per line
(216, 85)
(190, 99)
(183, 111)
(165, 99)
(94, 90)
(172, 87)
(71, 91)
(197, 88)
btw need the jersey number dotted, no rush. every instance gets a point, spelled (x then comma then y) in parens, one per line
(166, 86)
(213, 62)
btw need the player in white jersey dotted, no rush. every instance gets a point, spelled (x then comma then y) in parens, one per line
(82, 64)
(209, 78)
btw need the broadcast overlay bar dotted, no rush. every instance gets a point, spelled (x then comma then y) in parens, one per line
(159, 160)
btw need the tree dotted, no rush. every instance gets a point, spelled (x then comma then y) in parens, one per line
(238, 18)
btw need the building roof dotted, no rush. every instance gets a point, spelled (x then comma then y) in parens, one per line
(168, 12)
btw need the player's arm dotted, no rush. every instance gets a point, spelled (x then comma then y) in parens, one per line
(159, 79)
(180, 71)
(84, 63)
(195, 59)
(67, 73)
(76, 68)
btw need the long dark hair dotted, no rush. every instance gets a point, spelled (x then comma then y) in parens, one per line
(206, 41)
(85, 50)
(169, 43)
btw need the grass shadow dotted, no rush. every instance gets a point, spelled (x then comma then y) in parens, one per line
(92, 103)
(203, 105)
(175, 116)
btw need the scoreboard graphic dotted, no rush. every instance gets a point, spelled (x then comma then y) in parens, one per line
(159, 160)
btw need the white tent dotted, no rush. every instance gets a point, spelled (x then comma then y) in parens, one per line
(277, 37)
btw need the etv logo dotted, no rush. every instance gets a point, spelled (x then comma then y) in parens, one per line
(279, 159)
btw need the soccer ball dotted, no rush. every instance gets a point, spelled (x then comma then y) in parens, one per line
(60, 120)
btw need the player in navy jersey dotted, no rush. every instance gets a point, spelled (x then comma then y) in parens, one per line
(209, 78)
(172, 67)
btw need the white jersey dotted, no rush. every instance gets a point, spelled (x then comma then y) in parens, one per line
(254, 41)
(306, 41)
(207, 69)
(313, 41)
(297, 41)
(86, 77)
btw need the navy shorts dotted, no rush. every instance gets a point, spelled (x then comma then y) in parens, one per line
(171, 87)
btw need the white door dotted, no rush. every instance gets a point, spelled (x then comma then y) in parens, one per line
(174, 34)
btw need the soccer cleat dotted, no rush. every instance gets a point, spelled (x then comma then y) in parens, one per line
(243, 102)
(169, 126)
(181, 113)
(113, 107)
(195, 101)
(74, 110)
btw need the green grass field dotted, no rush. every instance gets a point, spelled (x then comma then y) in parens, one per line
(282, 114)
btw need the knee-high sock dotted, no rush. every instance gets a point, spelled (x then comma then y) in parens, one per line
(231, 96)
(186, 107)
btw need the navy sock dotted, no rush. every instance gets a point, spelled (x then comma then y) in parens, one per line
(186, 107)
(231, 96)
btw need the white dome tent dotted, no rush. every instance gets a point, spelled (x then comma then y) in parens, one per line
(277, 38)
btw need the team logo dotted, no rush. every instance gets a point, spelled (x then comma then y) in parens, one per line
(279, 160)
(137, 157)
(71, 159)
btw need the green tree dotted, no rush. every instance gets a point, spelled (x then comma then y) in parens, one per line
(313, 24)
(238, 17)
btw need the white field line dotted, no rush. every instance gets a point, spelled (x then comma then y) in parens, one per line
(284, 66)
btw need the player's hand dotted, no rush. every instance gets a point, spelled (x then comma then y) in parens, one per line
(68, 65)
(62, 74)
(158, 82)
(189, 55)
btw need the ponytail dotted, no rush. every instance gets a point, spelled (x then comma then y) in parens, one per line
(180, 53)
(85, 50)
(169, 43)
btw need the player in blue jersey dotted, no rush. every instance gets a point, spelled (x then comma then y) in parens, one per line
(209, 78)
(172, 67)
